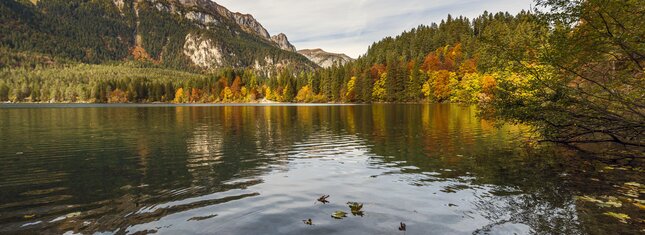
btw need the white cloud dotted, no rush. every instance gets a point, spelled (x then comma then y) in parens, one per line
(350, 26)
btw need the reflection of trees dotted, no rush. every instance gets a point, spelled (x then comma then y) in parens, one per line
(544, 212)
(133, 158)
(136, 158)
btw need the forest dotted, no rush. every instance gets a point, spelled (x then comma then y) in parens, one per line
(436, 63)
(572, 69)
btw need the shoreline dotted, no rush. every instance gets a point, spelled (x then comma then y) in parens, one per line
(257, 103)
(136, 105)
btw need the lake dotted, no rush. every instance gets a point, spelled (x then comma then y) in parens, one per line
(259, 169)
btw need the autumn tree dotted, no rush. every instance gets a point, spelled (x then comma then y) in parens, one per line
(379, 92)
(582, 82)
(350, 95)
(305, 95)
(118, 96)
(180, 97)
(441, 85)
(236, 86)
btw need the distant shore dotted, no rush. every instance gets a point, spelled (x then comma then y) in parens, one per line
(158, 104)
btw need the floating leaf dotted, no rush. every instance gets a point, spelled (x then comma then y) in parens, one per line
(126, 187)
(634, 184)
(356, 208)
(611, 202)
(339, 215)
(588, 199)
(632, 189)
(308, 221)
(29, 216)
(620, 216)
(640, 206)
(323, 199)
(631, 194)
(402, 227)
(72, 215)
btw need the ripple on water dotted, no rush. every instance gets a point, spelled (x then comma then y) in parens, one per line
(259, 170)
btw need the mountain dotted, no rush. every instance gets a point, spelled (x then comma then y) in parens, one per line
(325, 59)
(183, 34)
(283, 42)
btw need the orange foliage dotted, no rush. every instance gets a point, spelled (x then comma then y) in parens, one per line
(411, 65)
(254, 94)
(140, 53)
(441, 85)
(444, 58)
(468, 66)
(195, 95)
(118, 96)
(488, 84)
(236, 86)
(377, 70)
(222, 82)
(431, 62)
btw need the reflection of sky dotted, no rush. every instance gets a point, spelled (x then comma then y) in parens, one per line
(350, 26)
(343, 167)
(261, 169)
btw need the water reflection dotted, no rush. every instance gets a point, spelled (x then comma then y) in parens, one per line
(257, 169)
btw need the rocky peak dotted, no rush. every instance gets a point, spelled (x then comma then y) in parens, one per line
(247, 22)
(283, 42)
(207, 12)
(325, 59)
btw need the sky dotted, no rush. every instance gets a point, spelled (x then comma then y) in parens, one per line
(351, 26)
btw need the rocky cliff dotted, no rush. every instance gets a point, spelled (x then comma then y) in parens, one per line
(325, 59)
(245, 21)
(204, 11)
(184, 34)
(283, 42)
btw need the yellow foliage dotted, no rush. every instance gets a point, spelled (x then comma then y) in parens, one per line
(305, 95)
(379, 92)
(426, 89)
(351, 85)
(227, 94)
(245, 94)
(468, 89)
(179, 96)
(268, 94)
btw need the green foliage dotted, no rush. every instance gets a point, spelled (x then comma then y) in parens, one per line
(95, 83)
(430, 61)
(53, 27)
(98, 32)
(582, 81)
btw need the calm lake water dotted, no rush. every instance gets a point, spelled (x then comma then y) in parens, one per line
(259, 170)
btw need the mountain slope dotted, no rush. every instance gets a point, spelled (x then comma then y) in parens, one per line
(325, 59)
(185, 34)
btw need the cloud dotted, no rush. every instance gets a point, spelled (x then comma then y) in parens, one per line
(350, 26)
